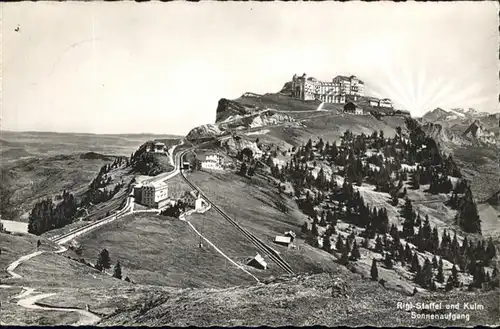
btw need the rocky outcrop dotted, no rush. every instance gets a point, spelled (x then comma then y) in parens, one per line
(477, 132)
(228, 108)
(438, 132)
(445, 137)
(270, 118)
(204, 131)
(235, 144)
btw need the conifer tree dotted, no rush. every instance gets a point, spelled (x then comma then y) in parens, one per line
(344, 259)
(495, 279)
(326, 243)
(490, 251)
(449, 284)
(304, 228)
(468, 217)
(339, 245)
(454, 276)
(104, 260)
(418, 220)
(379, 247)
(414, 263)
(434, 262)
(314, 229)
(471, 268)
(355, 254)
(322, 221)
(388, 261)
(374, 270)
(440, 276)
(98, 266)
(408, 253)
(117, 273)
(418, 275)
(427, 273)
(408, 214)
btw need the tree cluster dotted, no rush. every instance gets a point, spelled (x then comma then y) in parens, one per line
(46, 215)
(175, 210)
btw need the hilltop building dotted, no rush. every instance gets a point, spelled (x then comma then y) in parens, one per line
(156, 147)
(155, 194)
(336, 91)
(159, 147)
(341, 90)
(213, 161)
(376, 102)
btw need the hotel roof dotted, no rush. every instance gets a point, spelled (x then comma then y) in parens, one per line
(159, 184)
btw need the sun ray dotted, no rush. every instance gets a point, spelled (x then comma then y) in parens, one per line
(393, 89)
(448, 89)
(408, 82)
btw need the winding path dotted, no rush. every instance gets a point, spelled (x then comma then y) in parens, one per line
(29, 300)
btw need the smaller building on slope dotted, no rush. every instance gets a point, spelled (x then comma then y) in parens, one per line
(283, 240)
(258, 262)
(353, 108)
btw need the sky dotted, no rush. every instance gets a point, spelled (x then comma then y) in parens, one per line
(126, 67)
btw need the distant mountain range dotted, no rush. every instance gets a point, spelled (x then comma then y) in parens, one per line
(463, 126)
(439, 114)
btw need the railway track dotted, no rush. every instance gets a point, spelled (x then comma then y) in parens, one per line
(273, 255)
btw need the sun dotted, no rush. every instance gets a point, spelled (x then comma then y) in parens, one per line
(415, 89)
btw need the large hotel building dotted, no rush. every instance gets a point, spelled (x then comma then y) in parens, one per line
(338, 90)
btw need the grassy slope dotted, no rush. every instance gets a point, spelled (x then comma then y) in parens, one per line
(162, 251)
(300, 301)
(252, 205)
(16, 245)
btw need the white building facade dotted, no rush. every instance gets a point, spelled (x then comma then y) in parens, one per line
(375, 102)
(154, 193)
(335, 91)
(213, 161)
